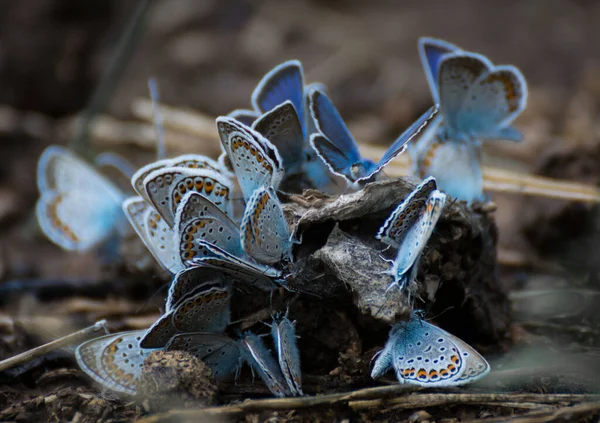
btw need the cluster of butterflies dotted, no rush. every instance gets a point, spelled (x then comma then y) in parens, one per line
(196, 316)
(187, 215)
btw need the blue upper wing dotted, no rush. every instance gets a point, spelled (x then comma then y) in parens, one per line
(331, 125)
(284, 82)
(431, 51)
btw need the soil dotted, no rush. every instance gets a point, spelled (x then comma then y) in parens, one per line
(537, 323)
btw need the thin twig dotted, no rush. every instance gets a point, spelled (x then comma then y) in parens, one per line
(369, 398)
(546, 416)
(37, 352)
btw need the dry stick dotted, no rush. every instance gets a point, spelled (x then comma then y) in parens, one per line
(360, 400)
(494, 179)
(544, 416)
(37, 352)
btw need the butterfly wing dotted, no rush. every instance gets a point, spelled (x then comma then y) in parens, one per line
(384, 360)
(161, 331)
(198, 218)
(404, 216)
(166, 187)
(219, 352)
(424, 354)
(115, 361)
(78, 208)
(255, 160)
(205, 309)
(331, 125)
(399, 145)
(475, 366)
(282, 127)
(236, 268)
(288, 356)
(431, 51)
(162, 239)
(457, 74)
(247, 117)
(265, 235)
(282, 83)
(188, 280)
(416, 237)
(259, 357)
(494, 101)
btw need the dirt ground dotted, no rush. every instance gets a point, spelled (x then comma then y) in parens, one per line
(208, 56)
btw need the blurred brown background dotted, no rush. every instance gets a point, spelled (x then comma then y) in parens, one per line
(208, 55)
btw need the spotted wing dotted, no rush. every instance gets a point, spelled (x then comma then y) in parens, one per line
(425, 355)
(166, 187)
(417, 236)
(199, 219)
(403, 217)
(115, 361)
(78, 208)
(162, 239)
(457, 74)
(494, 101)
(256, 162)
(283, 332)
(282, 127)
(259, 357)
(265, 235)
(205, 309)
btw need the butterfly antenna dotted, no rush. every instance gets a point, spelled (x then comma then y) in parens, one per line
(158, 120)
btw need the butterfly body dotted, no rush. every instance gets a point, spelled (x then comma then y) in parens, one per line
(283, 332)
(337, 148)
(258, 356)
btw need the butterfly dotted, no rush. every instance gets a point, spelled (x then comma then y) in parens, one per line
(426, 355)
(256, 354)
(478, 101)
(265, 235)
(255, 160)
(339, 151)
(285, 84)
(204, 308)
(219, 352)
(115, 361)
(156, 235)
(166, 187)
(283, 332)
(197, 218)
(78, 208)
(409, 227)
(191, 161)
(238, 269)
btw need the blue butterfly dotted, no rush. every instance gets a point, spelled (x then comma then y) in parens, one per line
(337, 148)
(426, 355)
(478, 101)
(408, 229)
(285, 83)
(78, 208)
